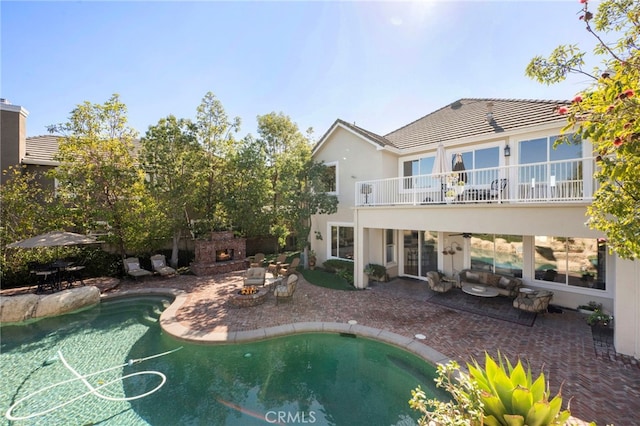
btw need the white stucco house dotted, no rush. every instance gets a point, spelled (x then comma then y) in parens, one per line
(516, 207)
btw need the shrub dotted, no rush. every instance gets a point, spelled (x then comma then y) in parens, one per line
(334, 265)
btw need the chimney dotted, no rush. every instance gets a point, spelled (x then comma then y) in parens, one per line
(13, 135)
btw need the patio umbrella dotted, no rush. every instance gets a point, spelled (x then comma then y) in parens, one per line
(54, 239)
(441, 166)
(458, 166)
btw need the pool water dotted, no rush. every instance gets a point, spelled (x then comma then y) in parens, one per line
(320, 379)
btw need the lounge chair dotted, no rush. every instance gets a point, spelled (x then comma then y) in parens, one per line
(159, 264)
(255, 276)
(436, 284)
(275, 265)
(132, 267)
(257, 260)
(289, 268)
(286, 290)
(533, 300)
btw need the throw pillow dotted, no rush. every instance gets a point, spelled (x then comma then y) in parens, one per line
(505, 282)
(134, 266)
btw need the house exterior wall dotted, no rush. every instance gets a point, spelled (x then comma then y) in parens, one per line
(356, 159)
(360, 160)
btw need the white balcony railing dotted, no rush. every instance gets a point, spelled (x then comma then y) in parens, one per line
(568, 181)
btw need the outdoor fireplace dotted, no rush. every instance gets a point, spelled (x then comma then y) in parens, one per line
(221, 253)
(224, 255)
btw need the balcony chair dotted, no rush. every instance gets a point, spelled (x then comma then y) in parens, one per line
(255, 276)
(132, 267)
(495, 191)
(534, 301)
(159, 264)
(286, 290)
(289, 268)
(436, 284)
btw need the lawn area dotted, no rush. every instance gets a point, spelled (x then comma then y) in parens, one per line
(326, 279)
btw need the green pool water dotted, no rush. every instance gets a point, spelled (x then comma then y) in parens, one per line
(320, 379)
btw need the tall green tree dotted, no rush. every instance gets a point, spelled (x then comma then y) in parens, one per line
(171, 157)
(607, 113)
(98, 174)
(295, 181)
(215, 134)
(248, 191)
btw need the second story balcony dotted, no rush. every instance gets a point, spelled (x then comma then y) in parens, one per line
(556, 181)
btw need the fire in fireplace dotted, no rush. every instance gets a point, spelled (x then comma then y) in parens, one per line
(224, 255)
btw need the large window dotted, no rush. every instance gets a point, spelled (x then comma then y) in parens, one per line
(330, 178)
(578, 262)
(419, 167)
(550, 159)
(342, 242)
(501, 254)
(479, 159)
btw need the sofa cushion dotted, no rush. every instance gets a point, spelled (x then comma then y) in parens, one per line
(472, 277)
(493, 280)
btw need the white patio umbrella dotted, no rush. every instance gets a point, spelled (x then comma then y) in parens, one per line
(441, 166)
(54, 239)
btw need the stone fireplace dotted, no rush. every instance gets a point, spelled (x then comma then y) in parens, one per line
(221, 253)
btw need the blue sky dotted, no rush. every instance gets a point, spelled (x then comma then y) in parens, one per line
(381, 65)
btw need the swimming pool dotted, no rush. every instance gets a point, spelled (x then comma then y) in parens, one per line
(322, 379)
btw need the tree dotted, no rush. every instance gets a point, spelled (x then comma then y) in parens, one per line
(295, 181)
(98, 175)
(215, 135)
(606, 113)
(171, 158)
(249, 192)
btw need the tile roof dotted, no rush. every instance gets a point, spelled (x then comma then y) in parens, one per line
(43, 149)
(467, 117)
(366, 133)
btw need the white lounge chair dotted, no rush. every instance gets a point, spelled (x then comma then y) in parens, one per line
(132, 267)
(159, 264)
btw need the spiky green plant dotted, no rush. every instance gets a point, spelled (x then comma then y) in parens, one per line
(511, 397)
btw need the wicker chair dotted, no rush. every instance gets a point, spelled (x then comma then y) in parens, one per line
(435, 284)
(255, 276)
(274, 266)
(533, 301)
(286, 290)
(257, 260)
(287, 269)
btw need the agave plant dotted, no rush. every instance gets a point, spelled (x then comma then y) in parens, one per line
(512, 398)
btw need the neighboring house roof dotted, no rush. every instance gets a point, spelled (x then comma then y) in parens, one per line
(41, 150)
(467, 117)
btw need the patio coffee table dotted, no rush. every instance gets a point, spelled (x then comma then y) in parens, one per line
(480, 290)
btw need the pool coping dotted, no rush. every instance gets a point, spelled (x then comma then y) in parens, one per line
(170, 324)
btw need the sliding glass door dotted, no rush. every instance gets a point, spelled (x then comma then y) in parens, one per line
(420, 249)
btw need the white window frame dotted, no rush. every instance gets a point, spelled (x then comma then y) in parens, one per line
(330, 238)
(336, 165)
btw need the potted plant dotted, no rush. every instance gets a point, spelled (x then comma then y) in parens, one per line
(449, 196)
(460, 187)
(599, 318)
(312, 260)
(590, 308)
(376, 272)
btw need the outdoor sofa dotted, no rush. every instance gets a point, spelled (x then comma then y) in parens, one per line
(506, 286)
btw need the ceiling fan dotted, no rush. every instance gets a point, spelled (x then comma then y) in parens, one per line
(464, 235)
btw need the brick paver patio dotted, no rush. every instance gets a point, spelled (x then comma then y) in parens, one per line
(600, 385)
